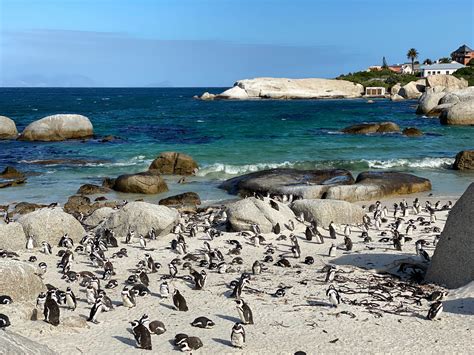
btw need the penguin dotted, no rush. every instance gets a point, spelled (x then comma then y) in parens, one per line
(96, 309)
(173, 270)
(47, 249)
(40, 300)
(347, 230)
(202, 322)
(279, 293)
(143, 277)
(106, 301)
(91, 294)
(331, 273)
(397, 244)
(435, 310)
(128, 298)
(332, 250)
(348, 243)
(51, 308)
(333, 295)
(179, 338)
(70, 299)
(256, 229)
(142, 242)
(164, 290)
(4, 321)
(129, 239)
(424, 255)
(309, 260)
(277, 229)
(237, 292)
(274, 205)
(436, 296)
(42, 268)
(30, 242)
(150, 264)
(179, 301)
(142, 335)
(245, 313)
(257, 268)
(155, 327)
(4, 299)
(332, 230)
(199, 279)
(237, 337)
(190, 344)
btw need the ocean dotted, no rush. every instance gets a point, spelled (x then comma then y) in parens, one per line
(226, 138)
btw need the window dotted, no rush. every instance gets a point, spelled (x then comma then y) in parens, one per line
(447, 71)
(439, 72)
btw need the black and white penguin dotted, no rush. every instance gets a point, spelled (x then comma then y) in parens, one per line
(51, 308)
(277, 229)
(173, 269)
(129, 239)
(42, 268)
(199, 279)
(237, 337)
(111, 284)
(257, 267)
(150, 263)
(179, 301)
(96, 309)
(142, 335)
(348, 243)
(203, 322)
(4, 299)
(91, 294)
(164, 290)
(4, 321)
(245, 313)
(128, 298)
(190, 344)
(332, 250)
(279, 293)
(237, 292)
(47, 249)
(155, 327)
(71, 302)
(143, 277)
(331, 273)
(332, 230)
(40, 301)
(333, 296)
(142, 241)
(30, 242)
(435, 310)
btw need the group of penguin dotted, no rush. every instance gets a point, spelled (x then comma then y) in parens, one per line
(210, 222)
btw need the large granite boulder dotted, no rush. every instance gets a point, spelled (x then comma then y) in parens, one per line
(7, 128)
(368, 128)
(15, 344)
(12, 236)
(372, 185)
(19, 280)
(141, 183)
(412, 90)
(464, 160)
(461, 113)
(327, 211)
(242, 214)
(26, 207)
(395, 89)
(141, 217)
(50, 224)
(452, 264)
(184, 199)
(91, 189)
(396, 97)
(429, 100)
(58, 128)
(446, 81)
(98, 216)
(78, 204)
(301, 183)
(172, 163)
(283, 88)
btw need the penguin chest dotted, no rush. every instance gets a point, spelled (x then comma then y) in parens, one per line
(237, 339)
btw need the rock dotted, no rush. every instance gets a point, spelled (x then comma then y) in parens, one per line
(141, 183)
(108, 139)
(90, 189)
(142, 217)
(396, 97)
(98, 216)
(77, 204)
(50, 224)
(207, 96)
(108, 182)
(429, 100)
(367, 128)
(26, 207)
(19, 281)
(452, 264)
(11, 173)
(9, 183)
(461, 113)
(12, 343)
(371, 185)
(75, 322)
(184, 199)
(464, 160)
(325, 211)
(242, 214)
(58, 128)
(413, 89)
(395, 89)
(7, 128)
(412, 132)
(12, 236)
(172, 163)
(301, 183)
(283, 88)
(447, 81)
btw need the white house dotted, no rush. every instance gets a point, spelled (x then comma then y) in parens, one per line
(440, 68)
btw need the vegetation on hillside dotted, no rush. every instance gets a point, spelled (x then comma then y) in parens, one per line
(385, 78)
(466, 73)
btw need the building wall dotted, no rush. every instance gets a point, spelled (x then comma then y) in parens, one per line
(428, 72)
(464, 59)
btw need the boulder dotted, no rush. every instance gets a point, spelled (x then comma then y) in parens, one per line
(447, 81)
(207, 96)
(452, 264)
(11, 173)
(172, 163)
(413, 89)
(98, 216)
(429, 100)
(12, 236)
(367, 128)
(325, 211)
(141, 183)
(90, 189)
(50, 224)
(184, 199)
(395, 89)
(301, 183)
(19, 280)
(283, 88)
(7, 128)
(461, 113)
(412, 132)
(26, 207)
(78, 204)
(141, 217)
(242, 214)
(58, 128)
(15, 344)
(396, 97)
(464, 160)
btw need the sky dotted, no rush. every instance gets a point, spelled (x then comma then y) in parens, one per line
(209, 43)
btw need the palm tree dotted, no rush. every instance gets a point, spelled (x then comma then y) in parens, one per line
(412, 55)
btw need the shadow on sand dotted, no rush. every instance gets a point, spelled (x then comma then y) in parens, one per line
(459, 306)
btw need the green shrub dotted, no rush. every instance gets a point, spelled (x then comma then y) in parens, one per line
(466, 73)
(384, 77)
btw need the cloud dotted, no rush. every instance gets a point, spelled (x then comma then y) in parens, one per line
(82, 58)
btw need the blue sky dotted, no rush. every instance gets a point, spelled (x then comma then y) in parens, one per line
(216, 42)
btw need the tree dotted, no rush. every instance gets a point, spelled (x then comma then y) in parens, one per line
(427, 61)
(384, 63)
(444, 60)
(412, 55)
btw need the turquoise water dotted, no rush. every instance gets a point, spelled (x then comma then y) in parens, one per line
(225, 137)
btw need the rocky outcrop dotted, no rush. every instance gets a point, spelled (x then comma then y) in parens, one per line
(327, 211)
(282, 88)
(172, 163)
(448, 82)
(12, 236)
(430, 100)
(141, 183)
(244, 213)
(98, 216)
(141, 217)
(394, 90)
(91, 189)
(370, 128)
(464, 160)
(206, 96)
(184, 199)
(78, 204)
(58, 128)
(50, 224)
(396, 97)
(461, 113)
(452, 264)
(413, 90)
(19, 281)
(301, 183)
(26, 207)
(15, 344)
(412, 132)
(7, 128)
(11, 177)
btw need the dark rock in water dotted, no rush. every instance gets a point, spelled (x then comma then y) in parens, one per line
(172, 163)
(90, 189)
(10, 183)
(142, 183)
(107, 139)
(412, 132)
(108, 182)
(66, 162)
(452, 264)
(26, 207)
(366, 128)
(78, 204)
(11, 173)
(464, 160)
(184, 199)
(303, 183)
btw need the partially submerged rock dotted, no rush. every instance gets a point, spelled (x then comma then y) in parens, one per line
(7, 128)
(184, 199)
(26, 207)
(464, 160)
(172, 163)
(141, 183)
(412, 132)
(58, 128)
(11, 177)
(367, 128)
(430, 100)
(91, 189)
(413, 90)
(19, 281)
(461, 113)
(12, 236)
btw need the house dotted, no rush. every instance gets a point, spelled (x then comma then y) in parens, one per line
(374, 91)
(374, 68)
(440, 68)
(463, 55)
(404, 68)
